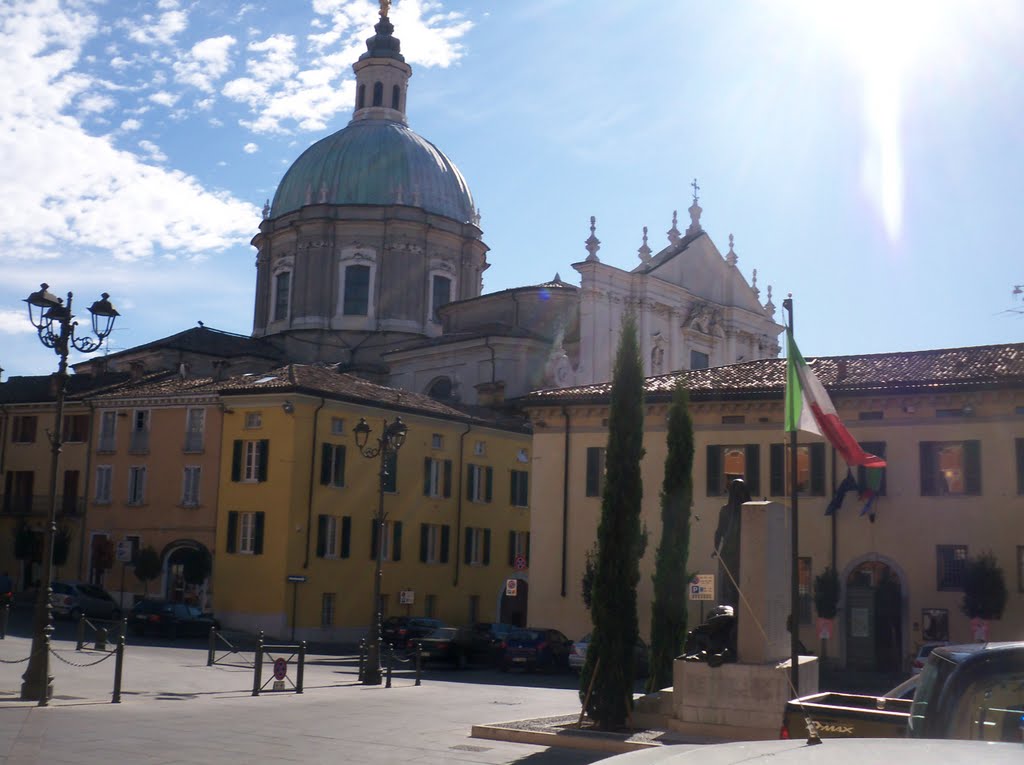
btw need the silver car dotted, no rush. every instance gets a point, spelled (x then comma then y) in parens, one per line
(75, 599)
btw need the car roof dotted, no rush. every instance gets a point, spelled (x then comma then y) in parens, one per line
(961, 653)
(832, 751)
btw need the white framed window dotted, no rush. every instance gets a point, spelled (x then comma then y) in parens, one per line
(253, 420)
(23, 429)
(327, 609)
(331, 536)
(195, 424)
(440, 294)
(337, 426)
(477, 551)
(520, 488)
(480, 448)
(432, 543)
(437, 477)
(104, 477)
(190, 486)
(136, 484)
(332, 465)
(391, 545)
(518, 546)
(108, 430)
(436, 441)
(140, 431)
(479, 483)
(247, 533)
(282, 295)
(253, 460)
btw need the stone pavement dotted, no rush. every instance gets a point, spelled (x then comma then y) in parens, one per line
(175, 709)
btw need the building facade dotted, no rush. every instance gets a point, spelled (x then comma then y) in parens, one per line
(950, 424)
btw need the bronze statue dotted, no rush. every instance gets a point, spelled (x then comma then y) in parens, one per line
(714, 641)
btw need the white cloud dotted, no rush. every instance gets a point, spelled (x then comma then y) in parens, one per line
(250, 148)
(157, 30)
(15, 322)
(67, 191)
(153, 151)
(164, 98)
(131, 125)
(207, 61)
(95, 103)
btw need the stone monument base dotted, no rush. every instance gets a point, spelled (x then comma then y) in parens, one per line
(735, 701)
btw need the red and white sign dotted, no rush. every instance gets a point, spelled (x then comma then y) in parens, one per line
(280, 669)
(519, 564)
(824, 628)
(511, 587)
(979, 629)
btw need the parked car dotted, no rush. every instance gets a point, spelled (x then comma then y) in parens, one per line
(161, 617)
(75, 599)
(641, 656)
(494, 635)
(923, 652)
(536, 648)
(478, 643)
(399, 630)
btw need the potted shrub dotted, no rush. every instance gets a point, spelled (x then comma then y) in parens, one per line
(984, 593)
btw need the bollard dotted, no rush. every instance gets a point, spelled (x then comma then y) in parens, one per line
(122, 628)
(302, 667)
(362, 659)
(212, 647)
(101, 639)
(81, 632)
(5, 614)
(257, 668)
(118, 667)
(419, 663)
(44, 697)
(391, 656)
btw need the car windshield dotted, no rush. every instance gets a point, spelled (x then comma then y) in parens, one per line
(444, 633)
(526, 636)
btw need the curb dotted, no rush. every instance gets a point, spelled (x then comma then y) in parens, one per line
(594, 741)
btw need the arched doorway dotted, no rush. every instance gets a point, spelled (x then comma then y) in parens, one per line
(512, 609)
(182, 562)
(874, 618)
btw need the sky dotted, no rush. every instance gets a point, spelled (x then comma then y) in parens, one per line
(867, 157)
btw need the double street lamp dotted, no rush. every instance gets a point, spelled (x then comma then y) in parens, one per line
(388, 443)
(56, 328)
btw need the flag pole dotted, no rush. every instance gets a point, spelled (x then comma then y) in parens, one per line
(794, 591)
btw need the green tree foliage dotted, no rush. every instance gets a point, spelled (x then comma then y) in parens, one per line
(147, 566)
(25, 542)
(196, 567)
(609, 669)
(589, 571)
(668, 612)
(984, 588)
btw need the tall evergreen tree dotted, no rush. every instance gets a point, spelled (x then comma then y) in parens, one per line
(609, 669)
(668, 612)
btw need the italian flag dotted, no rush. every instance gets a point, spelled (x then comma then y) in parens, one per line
(809, 409)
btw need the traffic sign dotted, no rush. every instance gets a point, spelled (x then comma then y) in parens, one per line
(124, 551)
(280, 669)
(406, 597)
(511, 587)
(297, 578)
(519, 564)
(702, 587)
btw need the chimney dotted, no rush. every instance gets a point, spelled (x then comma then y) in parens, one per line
(138, 369)
(220, 367)
(490, 393)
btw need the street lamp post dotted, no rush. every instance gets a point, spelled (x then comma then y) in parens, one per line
(56, 328)
(388, 443)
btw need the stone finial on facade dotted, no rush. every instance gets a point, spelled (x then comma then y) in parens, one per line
(476, 218)
(769, 307)
(266, 209)
(644, 251)
(695, 211)
(593, 243)
(673, 233)
(753, 285)
(731, 257)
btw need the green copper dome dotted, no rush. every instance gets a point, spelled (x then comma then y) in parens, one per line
(375, 162)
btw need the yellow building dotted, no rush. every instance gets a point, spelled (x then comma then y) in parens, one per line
(295, 539)
(949, 422)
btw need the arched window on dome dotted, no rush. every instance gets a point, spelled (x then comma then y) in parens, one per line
(440, 389)
(396, 94)
(361, 97)
(282, 295)
(378, 94)
(440, 294)
(357, 291)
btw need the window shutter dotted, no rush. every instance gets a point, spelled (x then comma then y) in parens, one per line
(424, 541)
(236, 461)
(346, 536)
(321, 535)
(929, 469)
(468, 552)
(487, 547)
(470, 481)
(264, 459)
(232, 528)
(593, 471)
(1020, 465)
(752, 458)
(374, 538)
(818, 470)
(339, 465)
(972, 467)
(777, 470)
(396, 548)
(527, 547)
(488, 483)
(326, 459)
(714, 470)
(511, 547)
(257, 540)
(445, 535)
(447, 478)
(426, 476)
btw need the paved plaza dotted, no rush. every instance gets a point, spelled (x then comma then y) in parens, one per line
(176, 709)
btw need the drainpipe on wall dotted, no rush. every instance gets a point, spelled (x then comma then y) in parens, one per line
(458, 505)
(488, 346)
(565, 502)
(312, 481)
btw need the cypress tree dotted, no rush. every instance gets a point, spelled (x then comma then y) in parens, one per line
(610, 661)
(668, 612)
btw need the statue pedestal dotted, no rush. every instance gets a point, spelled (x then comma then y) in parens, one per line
(735, 701)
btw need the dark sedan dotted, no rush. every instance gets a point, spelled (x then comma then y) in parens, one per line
(460, 646)
(400, 630)
(536, 648)
(161, 617)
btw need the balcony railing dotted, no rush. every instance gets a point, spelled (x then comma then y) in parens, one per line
(39, 504)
